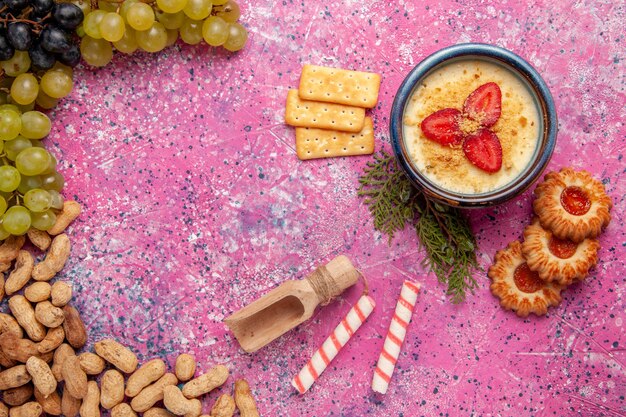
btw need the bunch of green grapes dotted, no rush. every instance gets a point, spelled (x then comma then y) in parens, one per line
(29, 182)
(26, 89)
(134, 25)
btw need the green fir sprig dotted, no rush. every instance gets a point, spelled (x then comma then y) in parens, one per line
(443, 231)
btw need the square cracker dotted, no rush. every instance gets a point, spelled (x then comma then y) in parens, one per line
(336, 85)
(319, 143)
(322, 115)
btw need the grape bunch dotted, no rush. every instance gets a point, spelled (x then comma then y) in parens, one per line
(42, 30)
(30, 184)
(134, 24)
(27, 89)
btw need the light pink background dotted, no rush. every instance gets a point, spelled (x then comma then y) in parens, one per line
(195, 204)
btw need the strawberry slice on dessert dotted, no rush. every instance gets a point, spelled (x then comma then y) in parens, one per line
(483, 149)
(484, 104)
(443, 127)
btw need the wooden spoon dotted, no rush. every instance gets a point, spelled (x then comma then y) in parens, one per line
(290, 304)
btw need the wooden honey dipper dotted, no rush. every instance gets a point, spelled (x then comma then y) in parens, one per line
(291, 303)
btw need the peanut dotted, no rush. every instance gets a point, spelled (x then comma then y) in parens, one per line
(21, 273)
(144, 376)
(4, 410)
(70, 211)
(25, 316)
(75, 331)
(75, 378)
(61, 293)
(223, 407)
(11, 248)
(175, 401)
(39, 238)
(117, 355)
(244, 399)
(53, 340)
(17, 349)
(123, 410)
(91, 363)
(41, 375)
(1, 284)
(37, 292)
(70, 406)
(111, 389)
(206, 383)
(60, 355)
(185, 367)
(18, 396)
(157, 412)
(14, 377)
(4, 267)
(91, 402)
(31, 409)
(5, 361)
(49, 315)
(152, 393)
(9, 324)
(55, 259)
(50, 404)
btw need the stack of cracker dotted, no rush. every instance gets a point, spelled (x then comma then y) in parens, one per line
(328, 111)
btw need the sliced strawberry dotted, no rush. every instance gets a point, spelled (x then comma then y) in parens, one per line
(443, 127)
(484, 150)
(484, 104)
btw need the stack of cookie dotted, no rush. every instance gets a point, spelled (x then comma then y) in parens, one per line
(560, 246)
(328, 110)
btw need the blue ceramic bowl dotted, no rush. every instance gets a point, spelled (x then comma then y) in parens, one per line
(536, 86)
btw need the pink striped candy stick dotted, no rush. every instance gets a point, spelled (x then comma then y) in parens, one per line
(333, 344)
(395, 337)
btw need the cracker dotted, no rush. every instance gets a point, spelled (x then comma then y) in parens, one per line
(306, 113)
(336, 85)
(319, 143)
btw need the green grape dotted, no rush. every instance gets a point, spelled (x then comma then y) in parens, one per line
(32, 161)
(154, 39)
(16, 220)
(45, 101)
(52, 181)
(172, 37)
(198, 9)
(219, 2)
(37, 200)
(215, 31)
(15, 146)
(22, 107)
(230, 11)
(124, 8)
(128, 43)
(171, 20)
(171, 6)
(37, 144)
(52, 166)
(18, 64)
(63, 68)
(191, 32)
(1, 146)
(10, 123)
(43, 221)
(3, 205)
(9, 178)
(112, 27)
(80, 31)
(91, 24)
(84, 5)
(107, 6)
(57, 84)
(29, 183)
(3, 233)
(237, 37)
(57, 199)
(140, 16)
(96, 52)
(9, 106)
(25, 88)
(35, 125)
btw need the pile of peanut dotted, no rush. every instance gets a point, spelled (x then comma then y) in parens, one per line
(41, 372)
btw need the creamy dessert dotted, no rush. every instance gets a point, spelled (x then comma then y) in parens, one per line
(471, 126)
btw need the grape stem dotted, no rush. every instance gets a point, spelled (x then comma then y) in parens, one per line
(12, 19)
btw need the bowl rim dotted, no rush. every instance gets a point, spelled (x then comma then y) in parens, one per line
(546, 109)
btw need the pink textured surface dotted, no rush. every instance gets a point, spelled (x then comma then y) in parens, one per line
(196, 204)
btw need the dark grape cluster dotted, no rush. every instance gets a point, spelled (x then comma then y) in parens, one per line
(43, 28)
